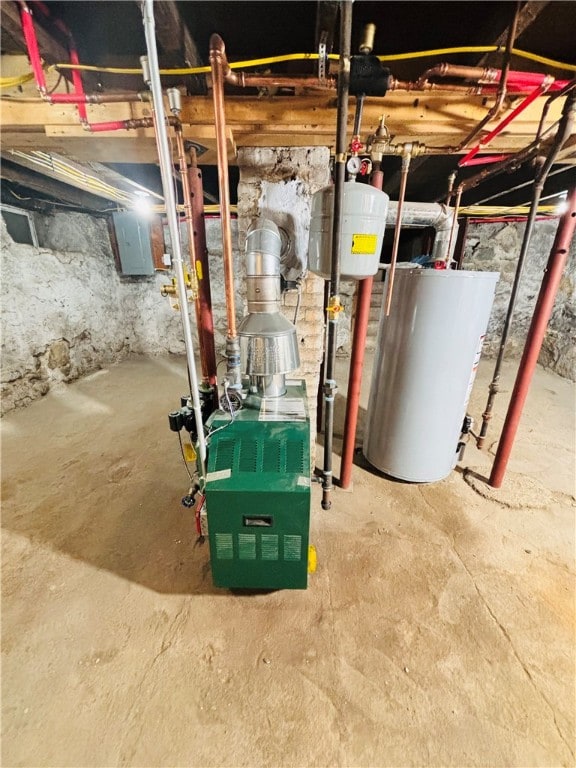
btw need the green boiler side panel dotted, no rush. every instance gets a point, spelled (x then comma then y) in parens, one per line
(258, 496)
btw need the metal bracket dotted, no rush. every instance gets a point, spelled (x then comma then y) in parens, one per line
(322, 57)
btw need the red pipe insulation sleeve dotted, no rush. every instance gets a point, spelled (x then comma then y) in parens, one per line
(363, 298)
(32, 47)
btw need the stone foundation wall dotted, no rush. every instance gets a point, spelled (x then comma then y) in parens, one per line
(495, 247)
(66, 311)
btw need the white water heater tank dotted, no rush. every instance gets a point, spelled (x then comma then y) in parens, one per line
(427, 353)
(363, 222)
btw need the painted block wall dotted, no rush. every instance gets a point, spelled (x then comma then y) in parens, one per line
(495, 247)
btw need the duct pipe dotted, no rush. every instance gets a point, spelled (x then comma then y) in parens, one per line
(217, 61)
(363, 299)
(435, 215)
(334, 305)
(173, 225)
(268, 342)
(406, 157)
(542, 313)
(563, 133)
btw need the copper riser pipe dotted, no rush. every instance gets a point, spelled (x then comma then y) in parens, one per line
(217, 63)
(542, 313)
(217, 59)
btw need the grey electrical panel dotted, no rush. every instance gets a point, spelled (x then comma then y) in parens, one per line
(134, 243)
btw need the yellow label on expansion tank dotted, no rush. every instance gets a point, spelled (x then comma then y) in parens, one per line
(364, 244)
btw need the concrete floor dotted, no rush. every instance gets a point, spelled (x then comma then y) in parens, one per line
(438, 630)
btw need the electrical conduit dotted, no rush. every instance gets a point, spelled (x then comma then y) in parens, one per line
(173, 225)
(334, 305)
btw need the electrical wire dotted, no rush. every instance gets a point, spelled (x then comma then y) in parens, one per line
(334, 57)
(499, 210)
(14, 82)
(520, 186)
(297, 309)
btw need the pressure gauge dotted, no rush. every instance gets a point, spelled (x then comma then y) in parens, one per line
(353, 165)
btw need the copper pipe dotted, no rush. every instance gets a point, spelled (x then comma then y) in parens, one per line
(94, 98)
(451, 180)
(218, 63)
(478, 74)
(274, 81)
(454, 224)
(247, 80)
(542, 313)
(409, 85)
(406, 157)
(363, 298)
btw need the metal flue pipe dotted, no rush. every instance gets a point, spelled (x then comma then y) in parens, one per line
(173, 225)
(538, 326)
(334, 305)
(217, 62)
(564, 131)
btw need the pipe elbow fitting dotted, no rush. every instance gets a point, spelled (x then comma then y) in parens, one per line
(217, 48)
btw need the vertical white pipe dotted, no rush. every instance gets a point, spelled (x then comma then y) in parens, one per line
(173, 226)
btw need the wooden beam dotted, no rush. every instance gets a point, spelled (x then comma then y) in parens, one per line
(438, 120)
(51, 49)
(178, 45)
(526, 17)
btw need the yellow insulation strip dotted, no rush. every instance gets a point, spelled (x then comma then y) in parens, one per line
(314, 57)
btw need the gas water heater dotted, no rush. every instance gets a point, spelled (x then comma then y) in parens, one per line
(254, 504)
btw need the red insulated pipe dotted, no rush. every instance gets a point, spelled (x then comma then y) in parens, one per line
(538, 91)
(78, 85)
(32, 47)
(112, 125)
(205, 317)
(538, 326)
(363, 298)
